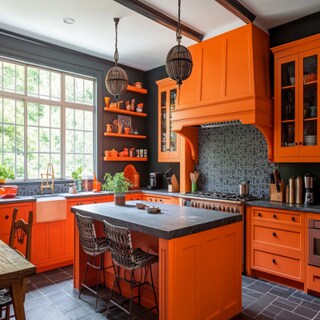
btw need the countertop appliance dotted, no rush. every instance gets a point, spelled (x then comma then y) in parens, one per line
(308, 183)
(155, 180)
(220, 201)
(314, 242)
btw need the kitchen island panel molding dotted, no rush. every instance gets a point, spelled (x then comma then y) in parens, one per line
(199, 257)
(210, 260)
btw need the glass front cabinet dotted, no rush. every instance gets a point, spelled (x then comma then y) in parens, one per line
(168, 140)
(297, 124)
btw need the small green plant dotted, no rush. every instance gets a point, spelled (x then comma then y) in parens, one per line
(6, 172)
(118, 183)
(77, 174)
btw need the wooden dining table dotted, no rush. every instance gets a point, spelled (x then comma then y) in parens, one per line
(14, 268)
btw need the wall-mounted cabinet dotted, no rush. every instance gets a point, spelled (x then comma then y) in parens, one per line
(168, 140)
(297, 121)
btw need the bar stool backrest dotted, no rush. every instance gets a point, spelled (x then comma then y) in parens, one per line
(87, 235)
(120, 244)
(20, 235)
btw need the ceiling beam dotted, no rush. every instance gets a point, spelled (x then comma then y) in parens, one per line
(161, 18)
(235, 7)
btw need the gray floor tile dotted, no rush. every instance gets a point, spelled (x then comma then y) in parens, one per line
(287, 315)
(311, 305)
(305, 311)
(260, 286)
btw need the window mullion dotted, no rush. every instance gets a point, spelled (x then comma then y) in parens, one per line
(63, 126)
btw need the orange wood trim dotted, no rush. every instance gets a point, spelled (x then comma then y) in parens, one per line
(192, 137)
(186, 166)
(132, 113)
(268, 135)
(137, 90)
(124, 159)
(122, 135)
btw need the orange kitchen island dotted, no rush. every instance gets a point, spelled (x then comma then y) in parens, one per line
(199, 271)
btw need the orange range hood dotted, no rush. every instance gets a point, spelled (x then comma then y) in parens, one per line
(230, 83)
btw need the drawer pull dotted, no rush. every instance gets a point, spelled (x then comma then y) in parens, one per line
(259, 214)
(274, 234)
(274, 261)
(7, 217)
(275, 216)
(293, 219)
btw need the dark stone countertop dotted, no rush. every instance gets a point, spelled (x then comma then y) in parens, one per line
(18, 199)
(284, 206)
(173, 221)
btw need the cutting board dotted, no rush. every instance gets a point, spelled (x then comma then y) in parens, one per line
(129, 171)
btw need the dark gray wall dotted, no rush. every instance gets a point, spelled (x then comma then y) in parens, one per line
(42, 53)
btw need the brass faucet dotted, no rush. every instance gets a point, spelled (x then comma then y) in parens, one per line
(47, 176)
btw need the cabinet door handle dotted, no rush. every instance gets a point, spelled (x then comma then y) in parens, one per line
(7, 217)
(275, 216)
(259, 214)
(274, 261)
(293, 219)
(274, 234)
(161, 200)
(296, 143)
(300, 143)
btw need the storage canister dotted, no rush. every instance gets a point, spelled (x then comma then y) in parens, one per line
(298, 187)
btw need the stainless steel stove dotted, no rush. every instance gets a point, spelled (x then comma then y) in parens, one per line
(219, 201)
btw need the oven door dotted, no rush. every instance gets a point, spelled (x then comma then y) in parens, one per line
(314, 247)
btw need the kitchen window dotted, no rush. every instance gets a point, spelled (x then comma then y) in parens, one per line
(45, 116)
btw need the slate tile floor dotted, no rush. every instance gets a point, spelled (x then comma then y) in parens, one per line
(50, 296)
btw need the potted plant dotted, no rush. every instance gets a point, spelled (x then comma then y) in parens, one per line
(77, 176)
(119, 184)
(5, 173)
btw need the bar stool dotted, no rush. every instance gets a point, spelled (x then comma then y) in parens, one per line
(95, 248)
(20, 240)
(129, 259)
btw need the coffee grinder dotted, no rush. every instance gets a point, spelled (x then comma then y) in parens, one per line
(308, 184)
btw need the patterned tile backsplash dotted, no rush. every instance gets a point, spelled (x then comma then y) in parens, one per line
(230, 155)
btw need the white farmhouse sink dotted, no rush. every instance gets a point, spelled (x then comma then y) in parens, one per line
(51, 209)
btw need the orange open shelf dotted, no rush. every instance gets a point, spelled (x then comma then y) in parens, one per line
(122, 135)
(131, 113)
(124, 159)
(137, 90)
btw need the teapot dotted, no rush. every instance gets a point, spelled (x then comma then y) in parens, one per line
(244, 188)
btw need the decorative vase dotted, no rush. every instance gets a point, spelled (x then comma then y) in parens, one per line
(78, 185)
(120, 199)
(2, 181)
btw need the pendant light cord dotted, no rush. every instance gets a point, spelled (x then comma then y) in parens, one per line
(178, 26)
(116, 53)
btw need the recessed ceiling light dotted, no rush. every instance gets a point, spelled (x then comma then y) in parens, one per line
(68, 20)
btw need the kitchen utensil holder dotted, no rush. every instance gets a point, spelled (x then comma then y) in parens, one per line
(275, 195)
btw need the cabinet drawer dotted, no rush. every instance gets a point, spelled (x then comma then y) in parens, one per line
(313, 278)
(158, 199)
(279, 265)
(284, 239)
(293, 218)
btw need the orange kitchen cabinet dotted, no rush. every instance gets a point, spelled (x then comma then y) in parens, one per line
(134, 196)
(159, 199)
(6, 211)
(168, 140)
(296, 90)
(200, 275)
(276, 244)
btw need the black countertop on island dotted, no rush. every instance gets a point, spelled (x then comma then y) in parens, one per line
(173, 221)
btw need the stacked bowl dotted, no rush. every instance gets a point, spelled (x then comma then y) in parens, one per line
(310, 140)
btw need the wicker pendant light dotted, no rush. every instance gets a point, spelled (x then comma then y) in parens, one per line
(179, 61)
(116, 78)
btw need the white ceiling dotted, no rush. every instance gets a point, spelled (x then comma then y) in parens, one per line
(142, 43)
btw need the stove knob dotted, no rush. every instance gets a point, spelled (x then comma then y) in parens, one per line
(209, 206)
(228, 209)
(200, 205)
(223, 209)
(237, 211)
(232, 210)
(220, 209)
